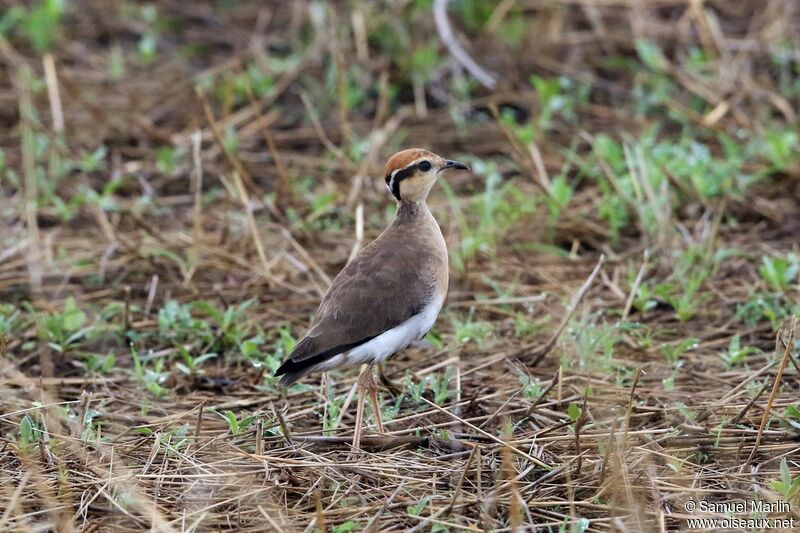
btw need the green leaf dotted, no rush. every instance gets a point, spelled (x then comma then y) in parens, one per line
(424, 59)
(735, 344)
(26, 430)
(10, 19)
(72, 317)
(786, 475)
(574, 411)
(233, 422)
(155, 388)
(345, 527)
(417, 508)
(108, 363)
(561, 191)
(651, 55)
(773, 270)
(41, 23)
(581, 525)
(138, 371)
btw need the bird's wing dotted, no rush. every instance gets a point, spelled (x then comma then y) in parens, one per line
(381, 288)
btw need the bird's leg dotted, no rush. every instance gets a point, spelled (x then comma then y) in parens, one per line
(359, 418)
(368, 382)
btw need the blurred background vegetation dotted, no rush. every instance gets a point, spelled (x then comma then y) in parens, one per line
(179, 182)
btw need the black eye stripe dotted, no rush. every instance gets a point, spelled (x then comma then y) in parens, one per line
(407, 172)
(393, 180)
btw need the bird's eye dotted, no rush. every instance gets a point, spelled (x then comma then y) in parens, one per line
(424, 166)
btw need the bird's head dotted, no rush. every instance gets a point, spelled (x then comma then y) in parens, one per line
(410, 174)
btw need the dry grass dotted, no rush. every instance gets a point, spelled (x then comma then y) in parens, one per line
(618, 427)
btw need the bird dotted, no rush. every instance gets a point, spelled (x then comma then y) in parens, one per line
(389, 295)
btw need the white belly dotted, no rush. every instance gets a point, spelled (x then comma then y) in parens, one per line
(392, 341)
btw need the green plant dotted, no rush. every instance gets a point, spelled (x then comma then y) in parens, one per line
(423, 61)
(558, 97)
(560, 194)
(792, 415)
(787, 486)
(322, 213)
(779, 272)
(686, 411)
(591, 342)
(236, 424)
(683, 299)
(116, 63)
(574, 412)
(29, 432)
(175, 322)
(468, 330)
(441, 386)
(11, 319)
(257, 79)
(669, 382)
(63, 330)
(642, 334)
(779, 147)
(496, 210)
(645, 298)
(631, 182)
(414, 389)
(346, 527)
(531, 388)
(40, 23)
(104, 199)
(650, 54)
(177, 438)
(103, 364)
(88, 425)
(525, 327)
(333, 408)
(416, 509)
(149, 377)
(168, 158)
(229, 326)
(191, 364)
(251, 350)
(200, 322)
(673, 352)
(283, 345)
(736, 352)
(774, 307)
(148, 41)
(683, 291)
(581, 525)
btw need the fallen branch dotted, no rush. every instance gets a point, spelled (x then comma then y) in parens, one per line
(456, 50)
(384, 442)
(775, 387)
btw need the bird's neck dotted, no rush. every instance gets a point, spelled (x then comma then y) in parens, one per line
(412, 210)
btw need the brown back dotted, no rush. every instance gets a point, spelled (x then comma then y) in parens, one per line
(391, 280)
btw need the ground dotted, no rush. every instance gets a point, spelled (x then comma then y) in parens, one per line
(179, 183)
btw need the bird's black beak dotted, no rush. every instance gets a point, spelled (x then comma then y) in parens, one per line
(449, 163)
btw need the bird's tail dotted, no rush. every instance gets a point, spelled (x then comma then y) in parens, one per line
(290, 371)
